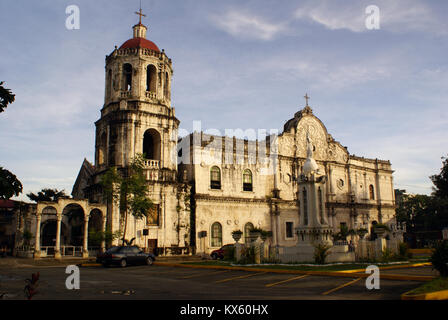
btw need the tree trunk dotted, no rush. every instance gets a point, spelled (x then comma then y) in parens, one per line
(125, 213)
(125, 225)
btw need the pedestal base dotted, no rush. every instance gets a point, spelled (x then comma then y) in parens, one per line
(238, 249)
(36, 255)
(57, 255)
(85, 254)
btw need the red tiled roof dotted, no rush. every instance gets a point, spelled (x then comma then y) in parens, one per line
(6, 203)
(140, 43)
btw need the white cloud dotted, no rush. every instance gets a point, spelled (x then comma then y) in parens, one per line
(395, 16)
(322, 73)
(246, 25)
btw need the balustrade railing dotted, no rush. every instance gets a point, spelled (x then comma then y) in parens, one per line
(125, 94)
(152, 163)
(151, 95)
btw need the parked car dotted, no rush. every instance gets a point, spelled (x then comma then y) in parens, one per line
(219, 253)
(125, 255)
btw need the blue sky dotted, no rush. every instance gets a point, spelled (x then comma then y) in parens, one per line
(237, 64)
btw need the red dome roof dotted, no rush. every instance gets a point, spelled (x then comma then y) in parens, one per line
(140, 43)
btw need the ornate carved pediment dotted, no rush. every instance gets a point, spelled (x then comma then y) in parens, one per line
(294, 142)
(312, 127)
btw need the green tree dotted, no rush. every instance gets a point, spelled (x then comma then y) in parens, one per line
(47, 194)
(440, 181)
(130, 188)
(415, 210)
(9, 184)
(6, 97)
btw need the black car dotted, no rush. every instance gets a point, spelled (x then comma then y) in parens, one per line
(125, 255)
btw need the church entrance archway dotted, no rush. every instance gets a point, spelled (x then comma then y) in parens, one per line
(95, 228)
(48, 237)
(74, 215)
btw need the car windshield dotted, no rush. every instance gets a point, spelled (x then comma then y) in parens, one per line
(135, 249)
(113, 250)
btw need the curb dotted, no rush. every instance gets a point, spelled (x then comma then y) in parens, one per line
(316, 273)
(89, 265)
(437, 295)
(402, 266)
(421, 251)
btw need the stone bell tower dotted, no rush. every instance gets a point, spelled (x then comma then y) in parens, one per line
(137, 116)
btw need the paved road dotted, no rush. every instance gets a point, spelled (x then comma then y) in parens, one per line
(162, 282)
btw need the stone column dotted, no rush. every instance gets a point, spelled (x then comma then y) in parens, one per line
(85, 249)
(57, 249)
(103, 228)
(238, 249)
(257, 244)
(37, 241)
(330, 180)
(380, 246)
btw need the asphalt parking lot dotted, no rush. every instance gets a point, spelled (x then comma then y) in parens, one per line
(162, 282)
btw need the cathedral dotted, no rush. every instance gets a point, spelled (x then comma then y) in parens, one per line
(204, 186)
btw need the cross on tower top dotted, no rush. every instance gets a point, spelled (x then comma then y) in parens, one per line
(140, 15)
(306, 98)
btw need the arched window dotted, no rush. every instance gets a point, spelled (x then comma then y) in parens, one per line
(247, 180)
(371, 192)
(305, 207)
(127, 77)
(321, 205)
(216, 235)
(247, 227)
(151, 144)
(151, 78)
(215, 178)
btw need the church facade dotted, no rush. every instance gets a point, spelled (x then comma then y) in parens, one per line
(206, 186)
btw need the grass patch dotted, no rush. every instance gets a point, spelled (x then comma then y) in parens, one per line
(337, 267)
(437, 284)
(209, 263)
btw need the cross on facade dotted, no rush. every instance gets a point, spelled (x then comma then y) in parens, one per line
(306, 98)
(141, 15)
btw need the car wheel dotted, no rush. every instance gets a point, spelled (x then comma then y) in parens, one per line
(149, 261)
(123, 263)
(214, 256)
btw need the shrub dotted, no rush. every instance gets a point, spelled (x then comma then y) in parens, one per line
(27, 236)
(439, 258)
(387, 255)
(321, 253)
(342, 234)
(403, 250)
(247, 256)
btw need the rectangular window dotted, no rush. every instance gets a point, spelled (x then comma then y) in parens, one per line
(152, 219)
(289, 230)
(215, 184)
